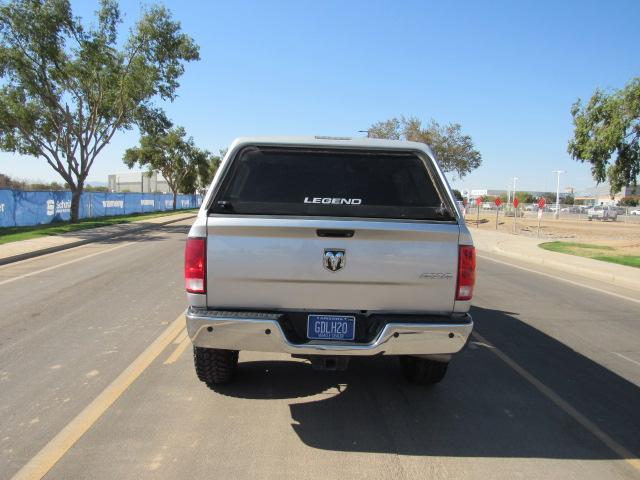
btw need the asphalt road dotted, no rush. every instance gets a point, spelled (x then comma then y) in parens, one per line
(92, 348)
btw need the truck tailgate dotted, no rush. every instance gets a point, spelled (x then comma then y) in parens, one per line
(277, 263)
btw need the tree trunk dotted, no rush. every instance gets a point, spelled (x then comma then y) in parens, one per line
(175, 195)
(75, 203)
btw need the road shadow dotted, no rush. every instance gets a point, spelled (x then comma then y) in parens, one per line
(482, 409)
(277, 379)
(147, 232)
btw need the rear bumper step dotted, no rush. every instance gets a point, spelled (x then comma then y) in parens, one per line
(261, 332)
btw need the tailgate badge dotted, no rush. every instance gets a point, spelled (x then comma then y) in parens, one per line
(334, 259)
(436, 275)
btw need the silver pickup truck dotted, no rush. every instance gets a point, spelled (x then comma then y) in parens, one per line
(329, 248)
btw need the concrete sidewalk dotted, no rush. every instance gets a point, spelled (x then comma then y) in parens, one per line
(526, 248)
(23, 249)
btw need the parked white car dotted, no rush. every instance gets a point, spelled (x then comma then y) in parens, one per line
(635, 212)
(572, 209)
(603, 212)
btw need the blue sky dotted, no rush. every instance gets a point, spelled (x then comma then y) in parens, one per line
(507, 71)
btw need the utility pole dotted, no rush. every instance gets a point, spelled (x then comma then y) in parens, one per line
(556, 215)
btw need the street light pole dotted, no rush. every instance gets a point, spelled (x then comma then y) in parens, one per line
(513, 192)
(558, 173)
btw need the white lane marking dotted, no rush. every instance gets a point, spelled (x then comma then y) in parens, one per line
(39, 257)
(46, 255)
(59, 445)
(566, 407)
(90, 244)
(555, 277)
(53, 267)
(85, 246)
(626, 358)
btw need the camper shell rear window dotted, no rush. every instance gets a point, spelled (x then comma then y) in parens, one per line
(268, 180)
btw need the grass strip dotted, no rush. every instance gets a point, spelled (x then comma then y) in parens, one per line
(16, 234)
(603, 253)
(564, 247)
(628, 260)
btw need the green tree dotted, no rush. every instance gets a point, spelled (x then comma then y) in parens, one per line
(454, 150)
(525, 197)
(174, 155)
(457, 194)
(629, 201)
(391, 129)
(7, 182)
(607, 135)
(67, 88)
(200, 178)
(568, 199)
(208, 171)
(53, 186)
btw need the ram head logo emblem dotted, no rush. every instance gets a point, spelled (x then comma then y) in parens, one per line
(333, 259)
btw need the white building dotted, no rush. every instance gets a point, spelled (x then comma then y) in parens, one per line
(138, 182)
(601, 195)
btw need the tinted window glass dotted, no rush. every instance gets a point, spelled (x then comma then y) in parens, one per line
(280, 181)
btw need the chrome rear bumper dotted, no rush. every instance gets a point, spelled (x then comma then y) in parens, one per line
(261, 332)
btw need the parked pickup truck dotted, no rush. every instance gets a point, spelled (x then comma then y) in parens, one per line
(326, 249)
(603, 212)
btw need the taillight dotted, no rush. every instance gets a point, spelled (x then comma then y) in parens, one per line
(466, 272)
(195, 265)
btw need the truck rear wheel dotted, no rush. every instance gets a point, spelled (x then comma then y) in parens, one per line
(214, 366)
(422, 370)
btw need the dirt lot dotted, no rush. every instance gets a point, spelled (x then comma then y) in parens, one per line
(625, 237)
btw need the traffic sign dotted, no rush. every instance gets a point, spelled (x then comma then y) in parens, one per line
(541, 203)
(478, 202)
(498, 202)
(516, 202)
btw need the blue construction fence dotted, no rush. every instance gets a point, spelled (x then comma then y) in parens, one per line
(23, 208)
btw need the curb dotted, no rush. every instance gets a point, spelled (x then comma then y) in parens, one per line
(581, 271)
(67, 246)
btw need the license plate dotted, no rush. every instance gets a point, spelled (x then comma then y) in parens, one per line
(331, 327)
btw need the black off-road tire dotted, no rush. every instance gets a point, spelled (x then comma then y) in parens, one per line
(214, 366)
(421, 370)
